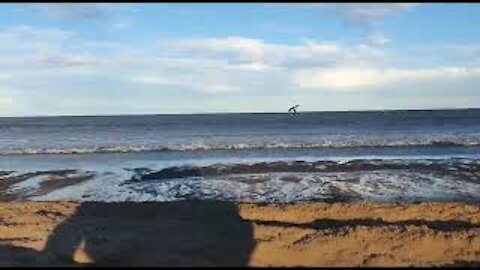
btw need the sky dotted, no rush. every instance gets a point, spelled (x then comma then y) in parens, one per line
(160, 58)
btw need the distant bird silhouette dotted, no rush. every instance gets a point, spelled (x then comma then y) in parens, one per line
(293, 110)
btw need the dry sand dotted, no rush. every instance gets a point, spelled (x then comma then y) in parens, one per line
(228, 234)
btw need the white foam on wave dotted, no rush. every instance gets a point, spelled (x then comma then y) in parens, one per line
(203, 146)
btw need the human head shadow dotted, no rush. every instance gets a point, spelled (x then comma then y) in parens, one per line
(188, 233)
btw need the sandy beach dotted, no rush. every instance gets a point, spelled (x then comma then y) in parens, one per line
(212, 233)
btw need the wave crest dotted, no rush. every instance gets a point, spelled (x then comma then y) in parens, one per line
(235, 146)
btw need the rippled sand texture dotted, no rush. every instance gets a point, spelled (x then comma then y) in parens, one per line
(203, 233)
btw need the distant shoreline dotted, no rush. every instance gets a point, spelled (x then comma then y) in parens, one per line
(230, 113)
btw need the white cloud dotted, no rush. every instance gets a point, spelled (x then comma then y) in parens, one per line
(369, 16)
(366, 15)
(121, 25)
(372, 12)
(358, 79)
(255, 52)
(246, 48)
(110, 15)
(51, 58)
(76, 11)
(215, 77)
(25, 48)
(378, 39)
(27, 37)
(194, 81)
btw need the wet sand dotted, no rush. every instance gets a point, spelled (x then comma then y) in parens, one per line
(204, 233)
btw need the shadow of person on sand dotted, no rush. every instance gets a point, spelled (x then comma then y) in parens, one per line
(189, 233)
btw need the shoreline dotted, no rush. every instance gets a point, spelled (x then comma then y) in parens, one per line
(216, 233)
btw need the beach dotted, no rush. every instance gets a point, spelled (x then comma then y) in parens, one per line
(215, 233)
(396, 188)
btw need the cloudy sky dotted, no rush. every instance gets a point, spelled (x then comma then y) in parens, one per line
(77, 59)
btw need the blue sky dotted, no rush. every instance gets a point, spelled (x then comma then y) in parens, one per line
(77, 59)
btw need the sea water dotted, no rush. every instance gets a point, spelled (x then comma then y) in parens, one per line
(417, 155)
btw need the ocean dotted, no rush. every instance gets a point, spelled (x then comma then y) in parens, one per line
(395, 156)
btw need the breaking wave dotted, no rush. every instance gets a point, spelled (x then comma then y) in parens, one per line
(458, 142)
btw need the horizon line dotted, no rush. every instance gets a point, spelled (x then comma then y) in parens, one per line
(212, 113)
